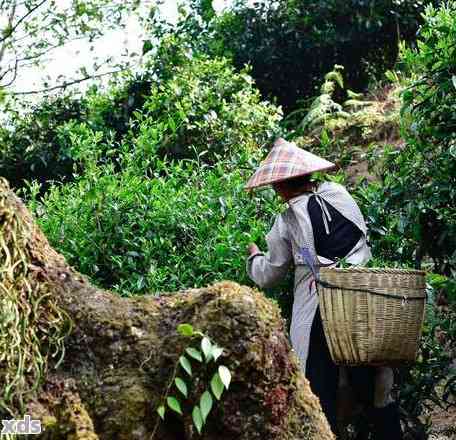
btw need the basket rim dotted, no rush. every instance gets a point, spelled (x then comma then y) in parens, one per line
(378, 270)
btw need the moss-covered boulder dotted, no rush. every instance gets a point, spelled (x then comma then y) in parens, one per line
(120, 353)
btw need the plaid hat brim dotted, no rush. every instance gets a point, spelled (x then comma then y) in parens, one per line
(287, 161)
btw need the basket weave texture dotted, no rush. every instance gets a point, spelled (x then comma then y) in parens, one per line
(372, 316)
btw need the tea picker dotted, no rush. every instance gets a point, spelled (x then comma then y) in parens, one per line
(348, 325)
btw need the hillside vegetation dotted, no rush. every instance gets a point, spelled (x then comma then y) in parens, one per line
(140, 185)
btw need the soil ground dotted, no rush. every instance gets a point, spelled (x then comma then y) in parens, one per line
(443, 425)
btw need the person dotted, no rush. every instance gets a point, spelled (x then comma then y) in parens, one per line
(322, 225)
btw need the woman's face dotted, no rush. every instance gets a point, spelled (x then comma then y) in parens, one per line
(284, 191)
(287, 191)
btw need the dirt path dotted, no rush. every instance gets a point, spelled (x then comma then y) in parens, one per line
(444, 425)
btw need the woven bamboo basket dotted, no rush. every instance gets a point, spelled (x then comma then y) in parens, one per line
(372, 316)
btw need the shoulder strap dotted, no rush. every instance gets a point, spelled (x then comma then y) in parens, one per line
(304, 252)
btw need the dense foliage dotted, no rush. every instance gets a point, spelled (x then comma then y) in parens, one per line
(206, 110)
(37, 145)
(291, 44)
(137, 223)
(184, 226)
(419, 191)
(431, 383)
(141, 186)
(32, 149)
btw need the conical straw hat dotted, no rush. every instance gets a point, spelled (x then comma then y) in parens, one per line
(286, 161)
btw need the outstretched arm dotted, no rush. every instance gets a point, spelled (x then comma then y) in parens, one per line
(268, 269)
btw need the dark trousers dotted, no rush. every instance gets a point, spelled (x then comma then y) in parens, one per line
(322, 372)
(323, 376)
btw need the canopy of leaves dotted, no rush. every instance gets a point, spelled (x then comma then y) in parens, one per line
(291, 44)
(207, 109)
(32, 29)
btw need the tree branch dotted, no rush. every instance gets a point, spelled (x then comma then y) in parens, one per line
(14, 75)
(13, 28)
(10, 22)
(69, 83)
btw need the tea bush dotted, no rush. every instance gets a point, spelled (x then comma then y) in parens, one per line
(202, 110)
(184, 226)
(206, 110)
(420, 179)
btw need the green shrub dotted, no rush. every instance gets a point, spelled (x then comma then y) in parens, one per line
(420, 179)
(31, 147)
(206, 110)
(185, 226)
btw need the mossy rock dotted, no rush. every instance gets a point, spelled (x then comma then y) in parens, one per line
(121, 354)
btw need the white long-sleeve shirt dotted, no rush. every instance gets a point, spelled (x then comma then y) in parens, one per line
(291, 231)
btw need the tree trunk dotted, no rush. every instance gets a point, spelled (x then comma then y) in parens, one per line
(121, 353)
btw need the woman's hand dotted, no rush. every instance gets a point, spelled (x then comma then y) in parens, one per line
(252, 248)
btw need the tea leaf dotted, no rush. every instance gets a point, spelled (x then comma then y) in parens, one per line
(185, 363)
(225, 375)
(174, 404)
(181, 386)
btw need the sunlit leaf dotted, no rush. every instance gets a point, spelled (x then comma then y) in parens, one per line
(225, 375)
(216, 352)
(161, 412)
(185, 329)
(185, 363)
(206, 346)
(174, 404)
(181, 386)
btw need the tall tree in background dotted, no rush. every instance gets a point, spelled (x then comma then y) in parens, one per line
(30, 30)
(291, 44)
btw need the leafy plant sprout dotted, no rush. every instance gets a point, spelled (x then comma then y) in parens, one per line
(179, 384)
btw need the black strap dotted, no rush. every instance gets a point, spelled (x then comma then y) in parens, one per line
(373, 292)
